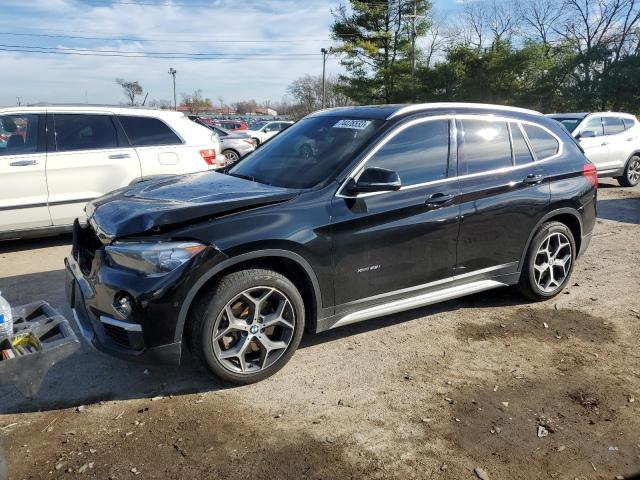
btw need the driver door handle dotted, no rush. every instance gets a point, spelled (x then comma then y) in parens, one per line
(533, 179)
(438, 200)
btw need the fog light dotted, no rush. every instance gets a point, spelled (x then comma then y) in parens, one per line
(123, 304)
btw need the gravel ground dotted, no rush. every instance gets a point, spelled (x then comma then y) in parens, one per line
(432, 393)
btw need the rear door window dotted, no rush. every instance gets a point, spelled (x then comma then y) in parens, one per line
(613, 125)
(418, 154)
(148, 131)
(484, 146)
(84, 132)
(18, 134)
(628, 123)
(544, 144)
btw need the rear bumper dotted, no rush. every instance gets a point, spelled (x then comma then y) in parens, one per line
(105, 332)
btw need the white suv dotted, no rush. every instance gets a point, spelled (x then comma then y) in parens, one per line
(263, 131)
(611, 140)
(54, 159)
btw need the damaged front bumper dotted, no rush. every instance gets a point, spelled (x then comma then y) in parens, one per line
(148, 329)
(101, 327)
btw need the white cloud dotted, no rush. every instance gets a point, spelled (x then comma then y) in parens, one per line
(64, 79)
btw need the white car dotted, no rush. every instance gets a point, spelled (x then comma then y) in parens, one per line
(263, 131)
(55, 159)
(611, 140)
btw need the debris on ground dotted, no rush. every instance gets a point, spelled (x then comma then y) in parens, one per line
(542, 431)
(480, 473)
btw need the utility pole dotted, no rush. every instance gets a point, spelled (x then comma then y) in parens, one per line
(19, 103)
(172, 72)
(324, 52)
(413, 51)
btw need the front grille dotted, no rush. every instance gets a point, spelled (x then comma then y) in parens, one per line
(118, 334)
(85, 244)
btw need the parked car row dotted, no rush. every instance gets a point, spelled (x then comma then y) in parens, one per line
(234, 144)
(53, 160)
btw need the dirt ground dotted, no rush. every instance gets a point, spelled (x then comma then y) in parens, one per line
(431, 393)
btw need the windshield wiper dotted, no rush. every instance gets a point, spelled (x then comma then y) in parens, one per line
(245, 177)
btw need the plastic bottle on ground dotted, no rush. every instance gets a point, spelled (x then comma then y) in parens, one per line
(6, 319)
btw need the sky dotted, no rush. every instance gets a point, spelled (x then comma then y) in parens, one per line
(237, 49)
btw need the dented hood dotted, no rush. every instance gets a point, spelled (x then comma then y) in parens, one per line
(177, 200)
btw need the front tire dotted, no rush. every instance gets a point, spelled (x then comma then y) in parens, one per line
(549, 262)
(631, 174)
(248, 326)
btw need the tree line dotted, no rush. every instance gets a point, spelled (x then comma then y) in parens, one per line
(549, 55)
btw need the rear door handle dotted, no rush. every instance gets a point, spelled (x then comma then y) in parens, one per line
(438, 200)
(604, 144)
(533, 179)
(23, 163)
(119, 156)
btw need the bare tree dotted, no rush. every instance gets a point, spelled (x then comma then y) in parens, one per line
(307, 92)
(435, 40)
(539, 18)
(131, 90)
(195, 102)
(487, 21)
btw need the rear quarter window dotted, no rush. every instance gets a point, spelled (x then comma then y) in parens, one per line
(544, 144)
(148, 131)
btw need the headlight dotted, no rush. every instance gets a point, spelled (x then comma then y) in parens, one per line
(152, 258)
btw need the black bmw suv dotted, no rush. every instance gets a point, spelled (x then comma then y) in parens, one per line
(350, 214)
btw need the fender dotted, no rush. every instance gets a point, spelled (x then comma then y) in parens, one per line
(186, 304)
(547, 216)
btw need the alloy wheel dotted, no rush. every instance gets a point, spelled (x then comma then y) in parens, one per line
(232, 157)
(254, 330)
(633, 172)
(553, 262)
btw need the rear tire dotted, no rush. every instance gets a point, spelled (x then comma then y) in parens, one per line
(631, 175)
(549, 262)
(232, 156)
(248, 326)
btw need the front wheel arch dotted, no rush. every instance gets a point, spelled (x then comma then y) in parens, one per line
(276, 259)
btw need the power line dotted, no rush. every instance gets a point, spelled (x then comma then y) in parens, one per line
(96, 53)
(153, 54)
(147, 40)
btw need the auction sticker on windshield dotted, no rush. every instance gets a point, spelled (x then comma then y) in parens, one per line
(355, 124)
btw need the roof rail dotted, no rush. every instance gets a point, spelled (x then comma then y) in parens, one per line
(427, 106)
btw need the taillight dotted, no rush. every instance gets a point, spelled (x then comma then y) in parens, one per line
(208, 156)
(250, 142)
(589, 170)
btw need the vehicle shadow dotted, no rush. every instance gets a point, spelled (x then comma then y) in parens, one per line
(625, 210)
(89, 376)
(9, 246)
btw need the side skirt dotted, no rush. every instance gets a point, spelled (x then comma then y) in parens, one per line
(417, 300)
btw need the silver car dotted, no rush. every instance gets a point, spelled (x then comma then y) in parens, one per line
(233, 144)
(611, 140)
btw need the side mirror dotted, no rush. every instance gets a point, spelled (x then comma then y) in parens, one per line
(375, 179)
(587, 134)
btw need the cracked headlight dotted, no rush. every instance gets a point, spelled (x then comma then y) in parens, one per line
(152, 259)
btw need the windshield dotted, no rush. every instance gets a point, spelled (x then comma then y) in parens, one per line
(568, 123)
(307, 153)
